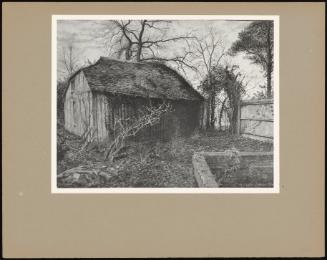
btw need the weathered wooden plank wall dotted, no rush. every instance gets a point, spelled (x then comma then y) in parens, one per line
(182, 121)
(257, 119)
(94, 115)
(78, 106)
(101, 115)
(110, 110)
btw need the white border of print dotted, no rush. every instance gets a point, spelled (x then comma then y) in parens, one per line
(55, 189)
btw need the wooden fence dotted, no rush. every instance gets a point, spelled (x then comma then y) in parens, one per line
(256, 119)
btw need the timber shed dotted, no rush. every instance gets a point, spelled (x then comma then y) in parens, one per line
(109, 90)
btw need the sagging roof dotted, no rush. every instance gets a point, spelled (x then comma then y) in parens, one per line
(142, 79)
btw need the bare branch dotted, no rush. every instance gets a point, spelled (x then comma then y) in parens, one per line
(123, 129)
(156, 42)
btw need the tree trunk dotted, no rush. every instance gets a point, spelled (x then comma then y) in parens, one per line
(213, 108)
(139, 51)
(221, 112)
(208, 113)
(234, 101)
(140, 42)
(269, 64)
(128, 54)
(233, 123)
(269, 92)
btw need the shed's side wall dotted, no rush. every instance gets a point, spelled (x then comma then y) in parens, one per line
(108, 109)
(95, 114)
(78, 106)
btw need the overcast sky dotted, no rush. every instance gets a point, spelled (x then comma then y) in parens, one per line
(88, 47)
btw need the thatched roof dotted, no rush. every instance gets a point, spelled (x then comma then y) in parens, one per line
(147, 79)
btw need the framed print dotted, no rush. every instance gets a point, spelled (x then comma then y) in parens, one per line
(163, 129)
(140, 120)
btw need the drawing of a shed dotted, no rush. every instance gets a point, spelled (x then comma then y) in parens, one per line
(109, 90)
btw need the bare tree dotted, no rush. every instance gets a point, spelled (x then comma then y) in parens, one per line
(68, 64)
(68, 60)
(141, 40)
(207, 53)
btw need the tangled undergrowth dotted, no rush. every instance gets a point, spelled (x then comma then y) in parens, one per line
(146, 164)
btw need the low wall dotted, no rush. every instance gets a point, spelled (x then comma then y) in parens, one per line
(202, 172)
(257, 119)
(208, 165)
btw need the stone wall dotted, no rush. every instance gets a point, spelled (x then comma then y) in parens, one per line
(202, 172)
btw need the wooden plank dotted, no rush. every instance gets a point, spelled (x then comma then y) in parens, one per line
(258, 119)
(257, 102)
(247, 133)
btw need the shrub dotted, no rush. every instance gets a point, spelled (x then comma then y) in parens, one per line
(232, 165)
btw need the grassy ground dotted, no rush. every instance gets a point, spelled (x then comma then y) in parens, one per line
(149, 164)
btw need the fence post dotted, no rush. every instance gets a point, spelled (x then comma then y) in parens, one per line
(203, 117)
(238, 121)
